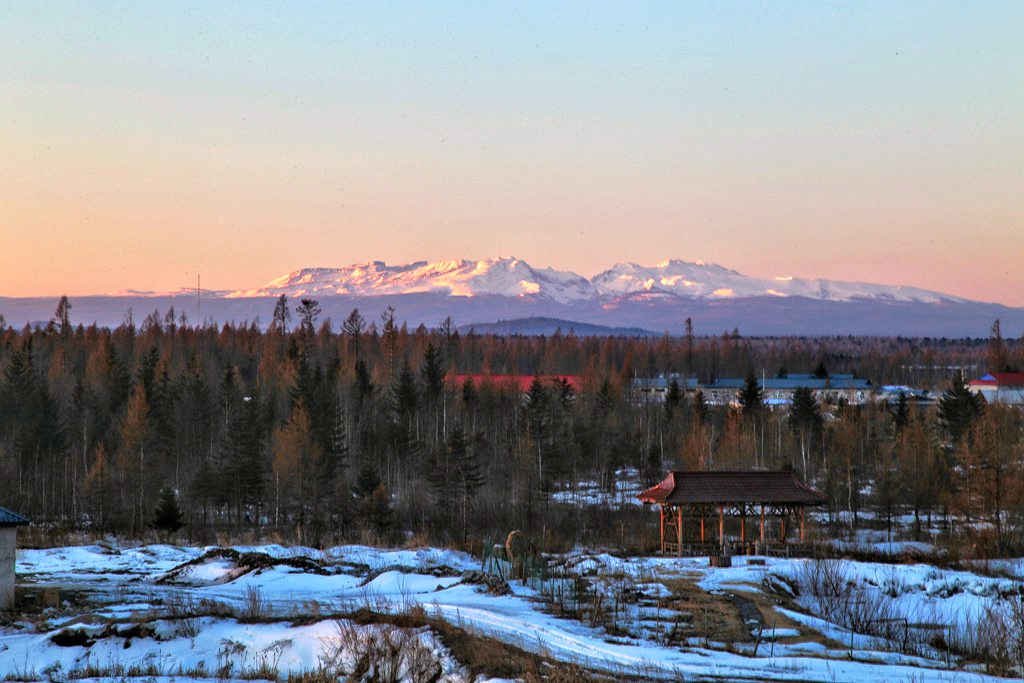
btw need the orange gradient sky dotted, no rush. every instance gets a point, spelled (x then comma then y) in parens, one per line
(144, 143)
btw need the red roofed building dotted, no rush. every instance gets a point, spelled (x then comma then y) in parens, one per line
(1000, 387)
(519, 382)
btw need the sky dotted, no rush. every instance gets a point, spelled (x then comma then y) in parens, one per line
(145, 143)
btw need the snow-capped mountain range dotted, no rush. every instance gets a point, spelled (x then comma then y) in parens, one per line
(526, 299)
(512, 277)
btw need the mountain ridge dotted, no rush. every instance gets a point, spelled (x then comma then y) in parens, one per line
(626, 297)
(512, 277)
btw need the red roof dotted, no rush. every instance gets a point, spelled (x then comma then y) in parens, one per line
(520, 382)
(747, 486)
(999, 379)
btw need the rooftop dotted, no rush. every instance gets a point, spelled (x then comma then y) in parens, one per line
(746, 486)
(1000, 379)
(10, 518)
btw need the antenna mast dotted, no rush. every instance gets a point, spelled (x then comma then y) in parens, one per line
(199, 303)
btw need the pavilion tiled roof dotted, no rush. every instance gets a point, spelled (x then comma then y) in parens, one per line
(746, 486)
(9, 518)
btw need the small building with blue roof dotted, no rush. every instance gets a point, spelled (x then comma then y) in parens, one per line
(9, 523)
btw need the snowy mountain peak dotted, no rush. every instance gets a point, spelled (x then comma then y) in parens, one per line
(504, 276)
(511, 277)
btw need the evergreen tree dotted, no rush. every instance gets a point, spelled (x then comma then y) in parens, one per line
(373, 498)
(673, 397)
(537, 424)
(332, 478)
(468, 392)
(432, 373)
(901, 412)
(367, 480)
(167, 517)
(404, 396)
(751, 397)
(364, 387)
(241, 457)
(959, 407)
(820, 371)
(378, 509)
(700, 408)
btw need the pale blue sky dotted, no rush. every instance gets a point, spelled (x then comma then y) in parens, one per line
(145, 142)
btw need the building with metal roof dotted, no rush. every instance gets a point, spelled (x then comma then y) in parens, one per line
(9, 523)
(655, 389)
(1000, 387)
(778, 391)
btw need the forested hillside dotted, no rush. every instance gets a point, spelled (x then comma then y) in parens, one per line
(322, 432)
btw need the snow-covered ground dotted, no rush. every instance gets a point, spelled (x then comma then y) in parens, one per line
(625, 488)
(130, 606)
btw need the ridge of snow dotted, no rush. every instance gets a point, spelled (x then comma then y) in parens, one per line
(512, 277)
(505, 276)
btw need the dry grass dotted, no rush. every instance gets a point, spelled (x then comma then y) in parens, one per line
(712, 617)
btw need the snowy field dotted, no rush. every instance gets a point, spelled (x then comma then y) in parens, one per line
(164, 611)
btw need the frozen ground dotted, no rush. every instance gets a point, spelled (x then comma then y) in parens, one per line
(128, 607)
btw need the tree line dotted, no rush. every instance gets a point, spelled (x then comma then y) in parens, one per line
(323, 432)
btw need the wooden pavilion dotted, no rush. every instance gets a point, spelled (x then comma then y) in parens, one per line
(699, 496)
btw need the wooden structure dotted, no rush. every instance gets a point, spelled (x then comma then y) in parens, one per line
(702, 497)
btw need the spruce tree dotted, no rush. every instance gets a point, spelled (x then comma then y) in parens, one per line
(959, 407)
(167, 516)
(432, 374)
(900, 412)
(751, 397)
(700, 408)
(404, 396)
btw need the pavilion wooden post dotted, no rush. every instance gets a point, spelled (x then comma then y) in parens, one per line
(802, 510)
(743, 526)
(782, 525)
(679, 531)
(721, 526)
(762, 523)
(702, 526)
(661, 511)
